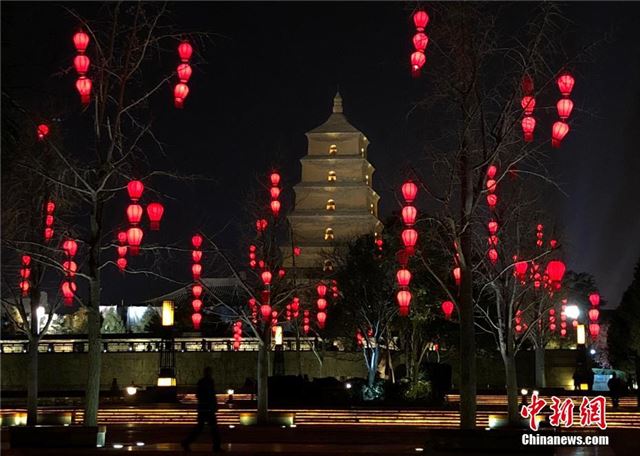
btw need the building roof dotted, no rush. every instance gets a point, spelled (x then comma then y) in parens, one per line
(337, 121)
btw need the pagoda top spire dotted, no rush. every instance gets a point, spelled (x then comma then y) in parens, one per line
(337, 102)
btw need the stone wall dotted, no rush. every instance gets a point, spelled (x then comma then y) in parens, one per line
(59, 371)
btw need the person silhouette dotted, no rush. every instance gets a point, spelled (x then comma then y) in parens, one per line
(207, 408)
(614, 389)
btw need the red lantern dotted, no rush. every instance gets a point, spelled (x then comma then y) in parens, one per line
(48, 220)
(83, 85)
(25, 273)
(409, 214)
(196, 318)
(322, 318)
(563, 332)
(185, 50)
(420, 41)
(492, 200)
(135, 189)
(553, 243)
(81, 41)
(420, 19)
(555, 270)
(447, 308)
(457, 276)
(68, 291)
(26, 260)
(180, 92)
(196, 241)
(409, 238)
(155, 212)
(196, 256)
(122, 237)
(196, 290)
(321, 289)
(196, 304)
(491, 185)
(565, 84)
(70, 247)
(493, 240)
(404, 277)
(70, 268)
(184, 72)
(134, 238)
(261, 225)
(275, 179)
(42, 130)
(196, 270)
(409, 191)
(418, 60)
(322, 304)
(521, 268)
(81, 63)
(492, 226)
(265, 311)
(594, 299)
(122, 263)
(275, 192)
(594, 314)
(404, 298)
(266, 277)
(281, 273)
(122, 250)
(48, 234)
(528, 103)
(51, 206)
(297, 251)
(275, 207)
(528, 125)
(594, 330)
(493, 255)
(134, 213)
(558, 132)
(24, 287)
(564, 107)
(491, 171)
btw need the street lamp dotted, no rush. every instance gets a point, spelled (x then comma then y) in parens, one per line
(572, 311)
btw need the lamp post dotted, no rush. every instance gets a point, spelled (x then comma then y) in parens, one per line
(166, 386)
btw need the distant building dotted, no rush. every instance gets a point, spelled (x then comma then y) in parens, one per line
(335, 202)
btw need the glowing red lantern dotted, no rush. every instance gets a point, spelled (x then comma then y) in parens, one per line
(261, 225)
(564, 107)
(492, 200)
(196, 241)
(134, 238)
(275, 207)
(457, 276)
(51, 206)
(594, 299)
(83, 85)
(594, 314)
(491, 185)
(404, 298)
(555, 270)
(492, 226)
(265, 311)
(322, 304)
(184, 72)
(48, 220)
(42, 130)
(563, 332)
(297, 251)
(81, 41)
(565, 84)
(322, 318)
(594, 330)
(196, 290)
(26, 260)
(447, 308)
(420, 19)
(409, 214)
(409, 191)
(122, 250)
(521, 269)
(81, 63)
(493, 255)
(281, 273)
(196, 304)
(155, 212)
(558, 132)
(185, 50)
(68, 291)
(135, 189)
(266, 277)
(418, 60)
(321, 289)
(553, 243)
(24, 287)
(70, 268)
(48, 234)
(528, 125)
(409, 238)
(196, 319)
(70, 247)
(122, 237)
(493, 240)
(491, 171)
(25, 273)
(275, 192)
(180, 92)
(134, 213)
(196, 271)
(196, 255)
(528, 103)
(404, 277)
(122, 263)
(275, 179)
(420, 41)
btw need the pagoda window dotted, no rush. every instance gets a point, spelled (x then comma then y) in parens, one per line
(333, 149)
(328, 234)
(328, 266)
(331, 177)
(331, 205)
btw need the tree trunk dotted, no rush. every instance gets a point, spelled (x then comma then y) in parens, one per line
(32, 383)
(263, 383)
(512, 387)
(372, 367)
(541, 377)
(298, 354)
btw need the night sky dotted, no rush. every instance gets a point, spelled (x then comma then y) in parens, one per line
(269, 75)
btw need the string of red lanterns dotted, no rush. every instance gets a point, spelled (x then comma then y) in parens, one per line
(594, 314)
(25, 273)
(81, 63)
(274, 192)
(420, 41)
(50, 207)
(409, 239)
(196, 288)
(528, 103)
(68, 287)
(564, 107)
(184, 71)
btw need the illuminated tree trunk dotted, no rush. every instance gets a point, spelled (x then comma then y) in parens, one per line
(512, 387)
(32, 382)
(541, 377)
(92, 394)
(372, 366)
(263, 381)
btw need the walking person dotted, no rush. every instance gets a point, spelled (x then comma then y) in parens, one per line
(614, 389)
(207, 408)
